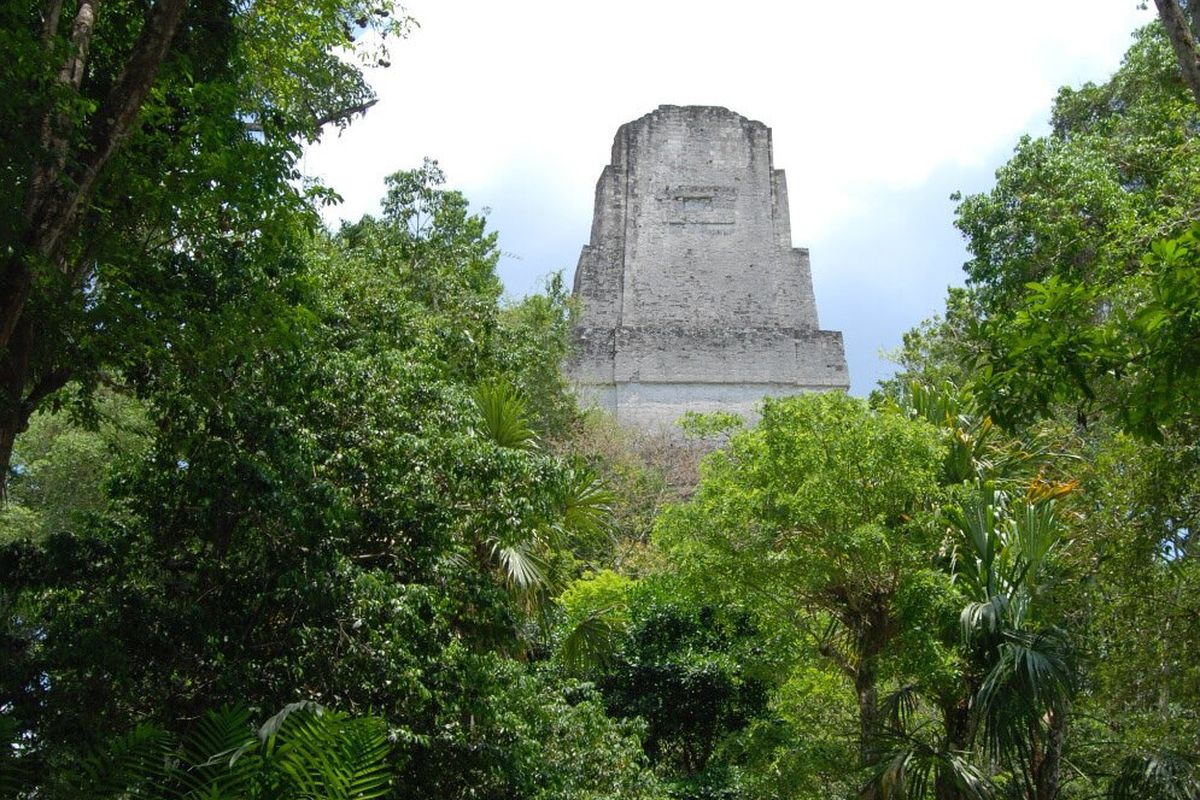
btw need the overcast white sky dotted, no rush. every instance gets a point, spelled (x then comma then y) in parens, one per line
(879, 111)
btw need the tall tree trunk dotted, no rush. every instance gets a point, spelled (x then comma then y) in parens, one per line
(867, 691)
(956, 727)
(1183, 42)
(8, 438)
(874, 630)
(21, 392)
(1047, 771)
(861, 670)
(14, 374)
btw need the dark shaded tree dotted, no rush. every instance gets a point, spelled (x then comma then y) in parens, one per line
(150, 152)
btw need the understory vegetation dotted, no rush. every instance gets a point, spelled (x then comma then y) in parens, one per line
(291, 512)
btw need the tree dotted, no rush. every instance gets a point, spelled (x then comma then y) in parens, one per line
(1138, 543)
(1023, 679)
(326, 515)
(821, 512)
(1080, 319)
(692, 669)
(1083, 280)
(1182, 32)
(151, 153)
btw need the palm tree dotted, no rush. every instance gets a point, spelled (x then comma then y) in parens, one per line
(918, 758)
(1017, 681)
(1023, 680)
(529, 558)
(1161, 775)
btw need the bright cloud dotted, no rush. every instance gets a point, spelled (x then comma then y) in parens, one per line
(868, 101)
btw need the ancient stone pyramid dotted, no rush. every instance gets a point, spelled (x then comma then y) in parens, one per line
(693, 296)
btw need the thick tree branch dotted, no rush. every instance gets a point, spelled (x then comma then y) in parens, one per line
(55, 138)
(58, 216)
(322, 121)
(48, 385)
(1183, 42)
(81, 40)
(54, 204)
(345, 113)
(50, 20)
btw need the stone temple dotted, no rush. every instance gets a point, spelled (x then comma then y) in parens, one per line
(693, 297)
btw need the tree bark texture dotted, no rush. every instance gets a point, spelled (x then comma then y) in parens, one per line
(1049, 766)
(956, 726)
(874, 628)
(1182, 41)
(867, 692)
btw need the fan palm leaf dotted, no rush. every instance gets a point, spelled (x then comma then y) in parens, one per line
(522, 568)
(504, 415)
(593, 640)
(911, 767)
(587, 504)
(1031, 677)
(1161, 775)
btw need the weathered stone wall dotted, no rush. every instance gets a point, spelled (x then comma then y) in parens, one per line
(693, 296)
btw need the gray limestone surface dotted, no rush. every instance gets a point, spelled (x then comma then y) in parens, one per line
(693, 297)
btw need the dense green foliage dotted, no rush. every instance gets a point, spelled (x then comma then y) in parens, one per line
(264, 466)
(818, 511)
(343, 521)
(1078, 331)
(693, 671)
(149, 162)
(1084, 276)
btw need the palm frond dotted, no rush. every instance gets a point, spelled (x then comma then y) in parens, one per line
(1162, 775)
(301, 753)
(587, 504)
(1036, 532)
(592, 641)
(905, 775)
(504, 416)
(977, 523)
(983, 617)
(970, 781)
(1031, 677)
(911, 767)
(208, 762)
(271, 728)
(130, 764)
(941, 405)
(521, 567)
(900, 706)
(328, 755)
(837, 644)
(218, 736)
